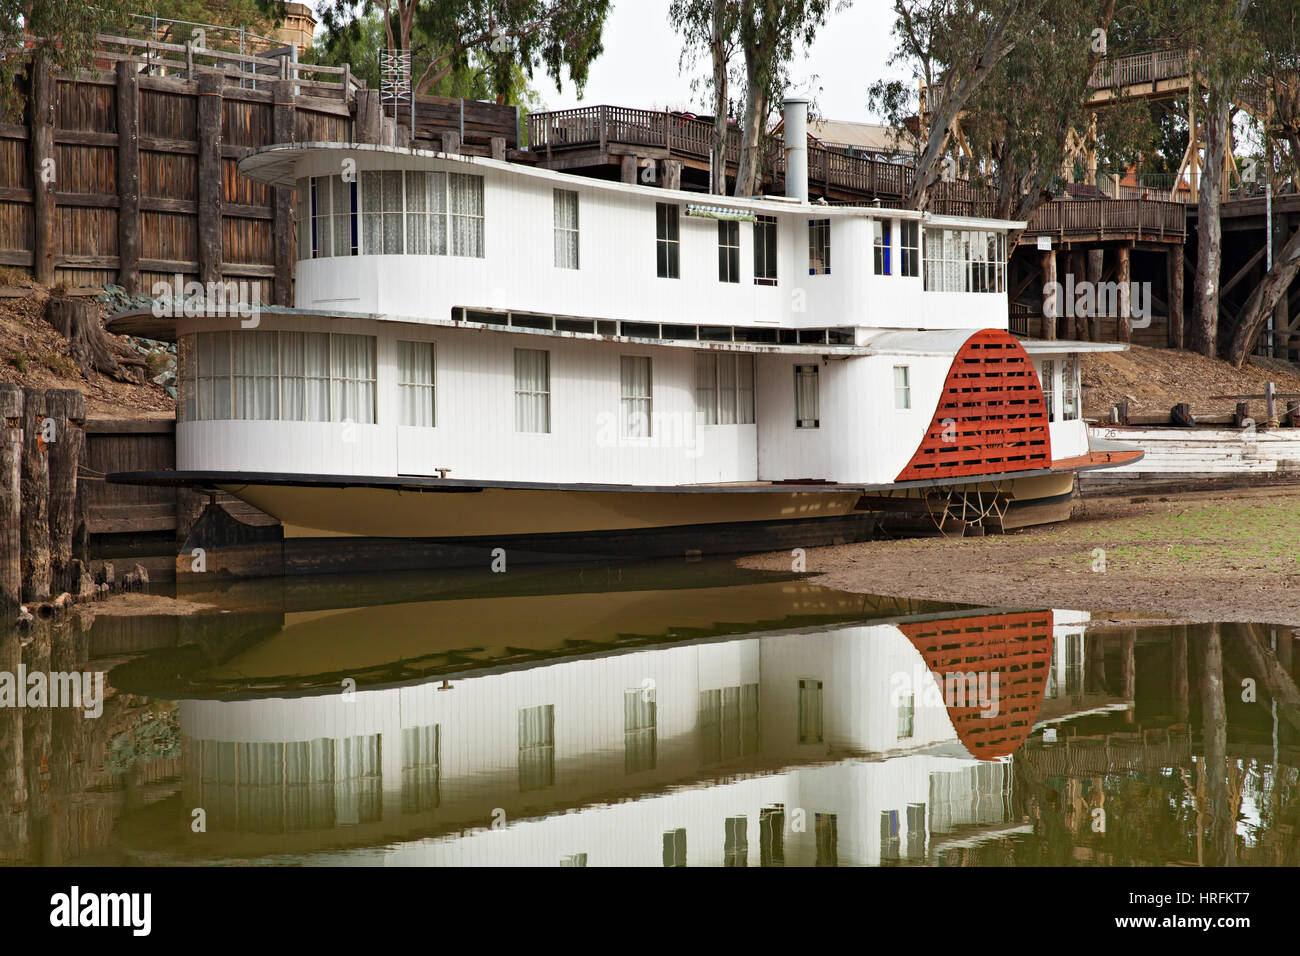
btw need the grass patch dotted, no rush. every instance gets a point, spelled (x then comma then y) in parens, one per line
(60, 365)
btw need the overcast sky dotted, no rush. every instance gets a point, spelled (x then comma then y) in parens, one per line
(639, 65)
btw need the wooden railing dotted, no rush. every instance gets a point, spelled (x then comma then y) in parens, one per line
(1149, 67)
(692, 138)
(1084, 217)
(252, 70)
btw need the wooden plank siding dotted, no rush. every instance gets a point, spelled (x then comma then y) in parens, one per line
(163, 183)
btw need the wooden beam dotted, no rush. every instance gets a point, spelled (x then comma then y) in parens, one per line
(210, 180)
(1241, 273)
(128, 178)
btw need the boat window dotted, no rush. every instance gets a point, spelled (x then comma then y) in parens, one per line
(728, 250)
(327, 217)
(882, 246)
(902, 387)
(910, 249)
(532, 390)
(278, 376)
(566, 229)
(724, 388)
(1047, 376)
(667, 241)
(806, 399)
(819, 247)
(392, 212)
(965, 260)
(635, 396)
(416, 378)
(1070, 388)
(765, 250)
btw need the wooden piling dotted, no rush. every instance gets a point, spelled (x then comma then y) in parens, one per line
(1079, 269)
(627, 169)
(1124, 324)
(672, 178)
(210, 182)
(1174, 265)
(286, 243)
(66, 408)
(368, 127)
(35, 498)
(1293, 414)
(44, 171)
(128, 177)
(1270, 403)
(1051, 297)
(1242, 413)
(11, 470)
(498, 144)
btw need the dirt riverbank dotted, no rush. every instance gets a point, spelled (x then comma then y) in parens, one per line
(1212, 556)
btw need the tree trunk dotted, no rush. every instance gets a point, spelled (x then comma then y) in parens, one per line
(1209, 230)
(752, 125)
(77, 320)
(1260, 305)
(718, 52)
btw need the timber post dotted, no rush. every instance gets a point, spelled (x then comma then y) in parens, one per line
(35, 498)
(369, 123)
(210, 179)
(128, 177)
(283, 123)
(1123, 323)
(627, 169)
(44, 171)
(1051, 296)
(1174, 267)
(66, 408)
(11, 471)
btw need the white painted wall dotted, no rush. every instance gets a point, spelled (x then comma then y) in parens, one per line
(616, 278)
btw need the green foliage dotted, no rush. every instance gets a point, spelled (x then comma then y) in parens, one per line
(475, 80)
(155, 736)
(499, 39)
(259, 17)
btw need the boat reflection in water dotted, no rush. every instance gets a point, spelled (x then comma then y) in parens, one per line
(751, 720)
(690, 714)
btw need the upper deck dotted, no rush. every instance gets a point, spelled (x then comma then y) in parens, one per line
(421, 234)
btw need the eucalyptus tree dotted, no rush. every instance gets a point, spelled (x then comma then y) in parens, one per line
(443, 36)
(711, 26)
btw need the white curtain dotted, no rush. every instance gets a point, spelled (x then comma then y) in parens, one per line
(437, 184)
(1046, 375)
(636, 395)
(726, 389)
(415, 383)
(302, 217)
(532, 390)
(466, 215)
(304, 376)
(214, 375)
(745, 389)
(706, 387)
(392, 206)
(372, 220)
(807, 413)
(566, 229)
(344, 223)
(537, 747)
(321, 226)
(420, 780)
(417, 214)
(256, 367)
(1070, 389)
(352, 378)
